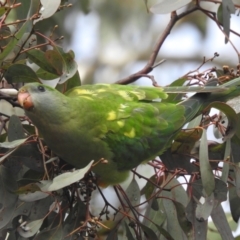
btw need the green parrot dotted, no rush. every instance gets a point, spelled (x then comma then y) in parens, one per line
(125, 124)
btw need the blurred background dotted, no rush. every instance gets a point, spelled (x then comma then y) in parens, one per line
(113, 39)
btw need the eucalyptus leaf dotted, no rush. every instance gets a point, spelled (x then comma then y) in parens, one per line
(29, 229)
(39, 57)
(14, 40)
(205, 168)
(51, 234)
(48, 9)
(234, 201)
(225, 169)
(13, 144)
(40, 190)
(163, 7)
(204, 210)
(149, 233)
(15, 129)
(185, 224)
(64, 179)
(70, 67)
(128, 232)
(133, 192)
(8, 198)
(17, 73)
(221, 222)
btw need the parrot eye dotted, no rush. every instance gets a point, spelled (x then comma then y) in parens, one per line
(41, 88)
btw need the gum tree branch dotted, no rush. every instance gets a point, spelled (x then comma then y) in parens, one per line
(150, 64)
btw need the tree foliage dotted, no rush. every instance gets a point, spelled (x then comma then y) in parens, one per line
(41, 197)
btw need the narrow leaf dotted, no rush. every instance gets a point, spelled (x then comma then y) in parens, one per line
(163, 7)
(64, 179)
(204, 210)
(185, 224)
(205, 167)
(133, 192)
(48, 9)
(225, 169)
(14, 40)
(149, 233)
(13, 144)
(221, 222)
(128, 232)
(20, 73)
(30, 229)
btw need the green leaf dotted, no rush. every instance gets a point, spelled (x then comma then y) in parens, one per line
(195, 122)
(74, 81)
(39, 57)
(204, 210)
(70, 67)
(8, 198)
(225, 169)
(3, 10)
(200, 226)
(65, 179)
(185, 224)
(46, 75)
(32, 193)
(48, 9)
(205, 167)
(149, 233)
(20, 73)
(220, 191)
(133, 192)
(177, 194)
(73, 219)
(146, 4)
(227, 9)
(55, 60)
(113, 234)
(14, 40)
(176, 97)
(157, 217)
(13, 144)
(237, 178)
(15, 129)
(173, 161)
(85, 6)
(231, 115)
(51, 234)
(234, 201)
(30, 229)
(221, 222)
(128, 232)
(163, 7)
(185, 140)
(214, 233)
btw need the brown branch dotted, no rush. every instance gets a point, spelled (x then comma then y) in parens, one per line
(150, 64)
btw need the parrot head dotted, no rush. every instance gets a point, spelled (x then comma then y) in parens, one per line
(34, 97)
(26, 95)
(42, 103)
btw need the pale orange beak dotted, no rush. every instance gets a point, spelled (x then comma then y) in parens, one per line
(24, 99)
